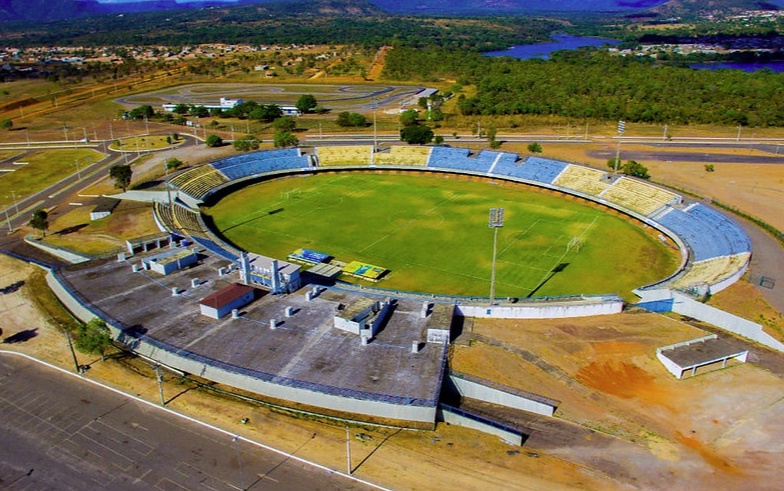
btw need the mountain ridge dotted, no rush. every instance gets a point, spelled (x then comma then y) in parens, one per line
(51, 10)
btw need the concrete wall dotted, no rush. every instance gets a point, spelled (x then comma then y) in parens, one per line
(671, 367)
(64, 254)
(449, 415)
(542, 310)
(726, 282)
(398, 411)
(686, 306)
(479, 391)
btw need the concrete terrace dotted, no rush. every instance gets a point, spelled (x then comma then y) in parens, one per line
(304, 347)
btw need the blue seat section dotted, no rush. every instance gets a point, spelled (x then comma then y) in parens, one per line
(214, 248)
(738, 241)
(457, 158)
(705, 241)
(251, 164)
(533, 169)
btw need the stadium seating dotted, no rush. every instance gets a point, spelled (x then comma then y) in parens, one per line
(705, 241)
(197, 182)
(240, 166)
(458, 159)
(403, 155)
(533, 169)
(215, 248)
(165, 216)
(711, 271)
(584, 179)
(344, 155)
(188, 221)
(738, 241)
(639, 196)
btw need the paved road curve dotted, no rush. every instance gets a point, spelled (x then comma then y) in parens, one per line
(60, 432)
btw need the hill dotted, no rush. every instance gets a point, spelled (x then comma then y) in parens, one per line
(43, 10)
(715, 8)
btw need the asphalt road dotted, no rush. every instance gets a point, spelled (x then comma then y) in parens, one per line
(60, 432)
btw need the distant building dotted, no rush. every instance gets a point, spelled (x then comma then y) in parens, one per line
(225, 103)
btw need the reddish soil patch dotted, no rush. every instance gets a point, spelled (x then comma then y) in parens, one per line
(708, 455)
(622, 379)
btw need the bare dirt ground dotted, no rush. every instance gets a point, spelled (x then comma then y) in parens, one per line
(715, 431)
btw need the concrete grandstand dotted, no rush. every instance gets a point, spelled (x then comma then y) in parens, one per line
(283, 347)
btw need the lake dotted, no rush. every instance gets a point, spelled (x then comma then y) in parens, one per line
(542, 50)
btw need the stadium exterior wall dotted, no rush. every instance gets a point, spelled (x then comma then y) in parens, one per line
(686, 306)
(539, 311)
(682, 304)
(475, 389)
(728, 281)
(421, 415)
(457, 417)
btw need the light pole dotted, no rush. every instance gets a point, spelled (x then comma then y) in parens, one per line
(621, 130)
(78, 170)
(16, 205)
(374, 105)
(239, 461)
(495, 221)
(8, 221)
(168, 188)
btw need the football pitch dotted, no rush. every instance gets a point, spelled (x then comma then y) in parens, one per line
(432, 234)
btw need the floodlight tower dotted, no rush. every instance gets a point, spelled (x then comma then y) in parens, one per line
(621, 130)
(495, 221)
(374, 105)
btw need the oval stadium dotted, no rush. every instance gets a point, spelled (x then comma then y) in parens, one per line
(248, 286)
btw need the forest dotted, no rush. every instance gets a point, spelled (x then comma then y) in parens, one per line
(594, 85)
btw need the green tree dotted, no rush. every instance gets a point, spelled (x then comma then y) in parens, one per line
(286, 123)
(534, 147)
(490, 135)
(141, 112)
(306, 103)
(285, 139)
(6, 124)
(416, 134)
(121, 175)
(409, 117)
(439, 140)
(40, 221)
(93, 337)
(213, 140)
(181, 109)
(636, 169)
(351, 119)
(266, 113)
(173, 163)
(200, 111)
(246, 143)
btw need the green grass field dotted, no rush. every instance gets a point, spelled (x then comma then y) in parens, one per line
(432, 234)
(43, 168)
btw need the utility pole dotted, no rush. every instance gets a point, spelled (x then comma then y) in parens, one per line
(159, 377)
(70, 347)
(348, 451)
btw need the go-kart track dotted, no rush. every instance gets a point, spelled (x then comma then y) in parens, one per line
(335, 97)
(290, 346)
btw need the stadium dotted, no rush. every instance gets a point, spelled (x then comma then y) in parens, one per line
(293, 331)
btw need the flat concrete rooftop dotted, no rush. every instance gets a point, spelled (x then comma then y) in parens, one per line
(697, 354)
(304, 347)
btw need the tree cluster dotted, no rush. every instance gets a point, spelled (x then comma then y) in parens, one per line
(598, 86)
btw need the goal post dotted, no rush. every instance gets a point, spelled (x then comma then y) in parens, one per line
(575, 244)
